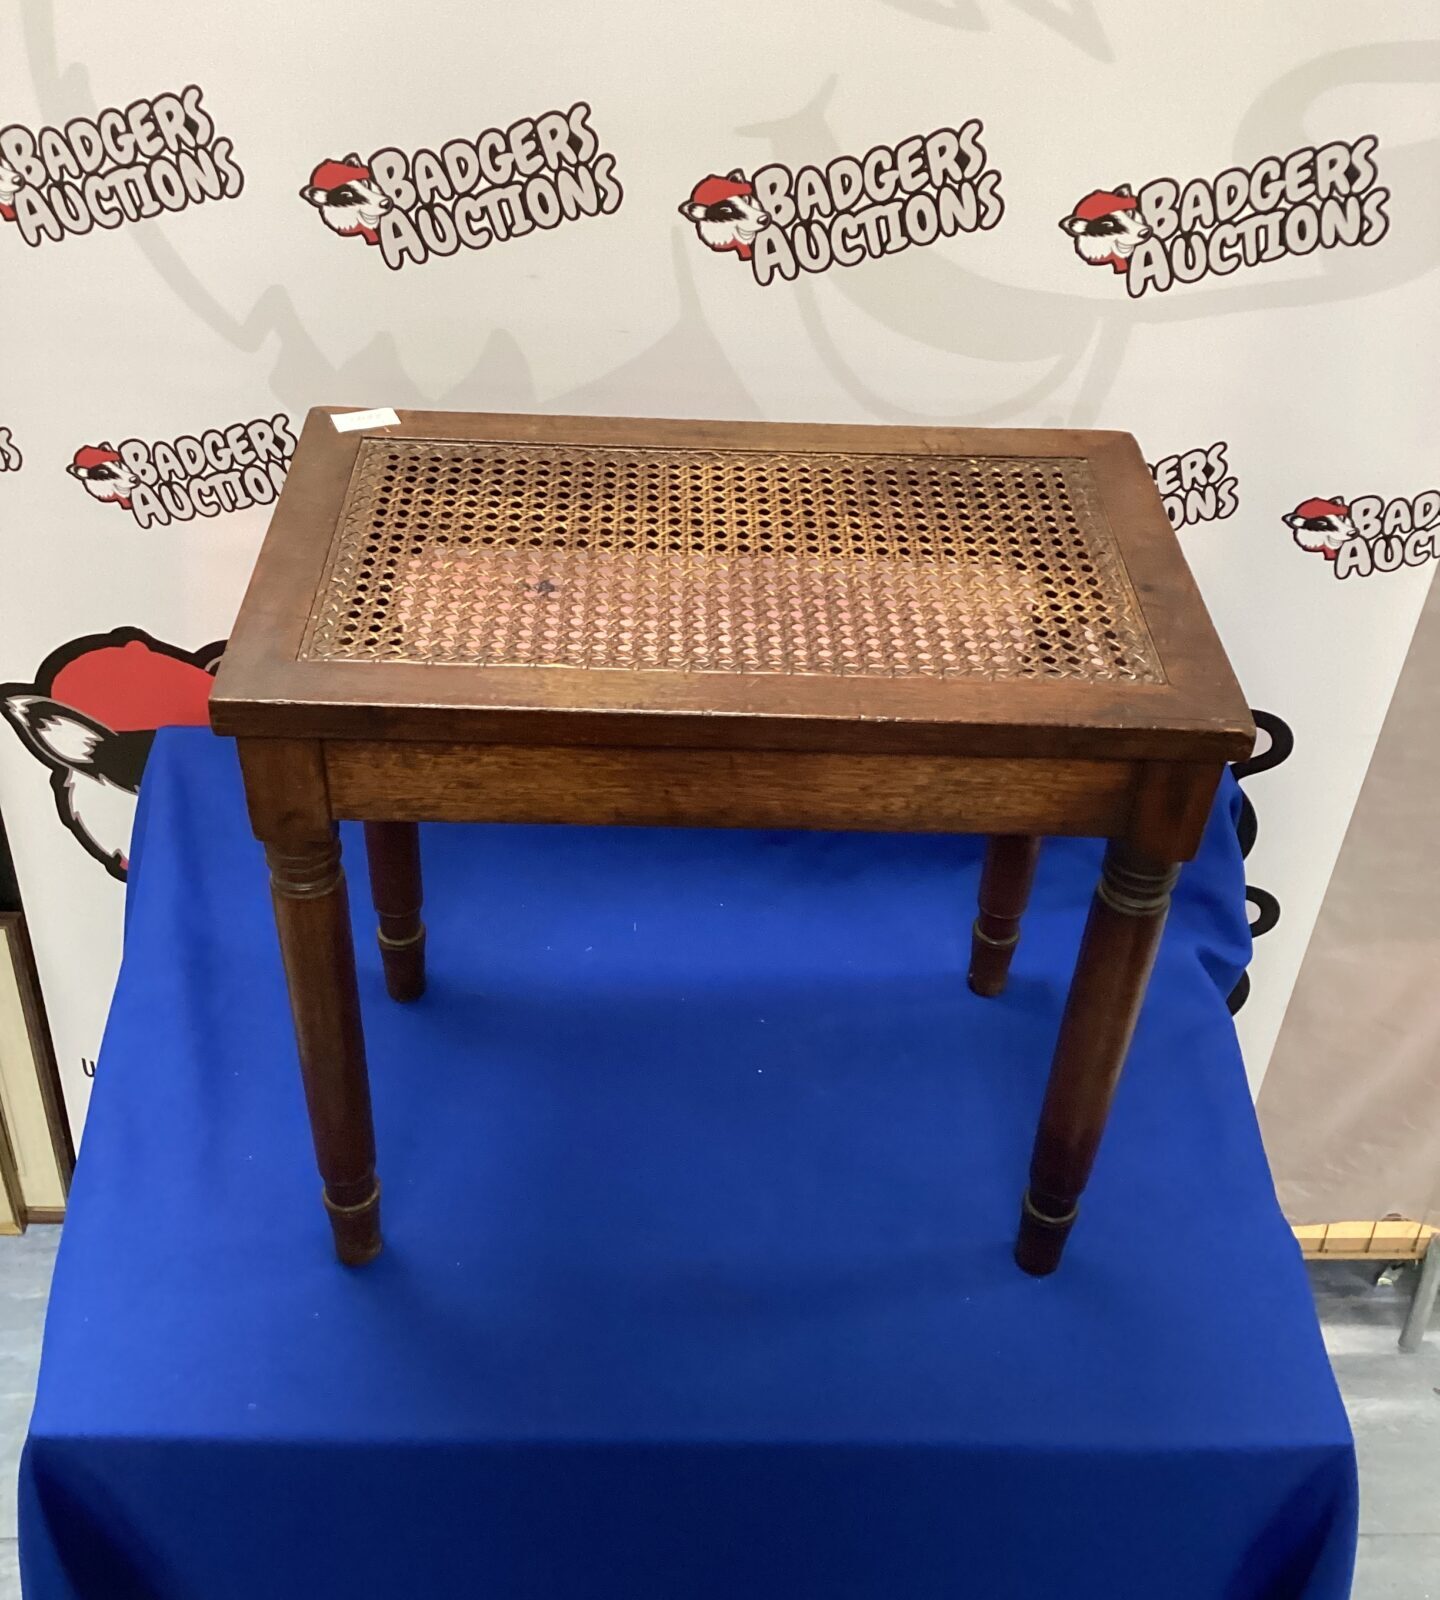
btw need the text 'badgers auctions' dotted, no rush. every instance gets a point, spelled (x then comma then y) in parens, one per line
(499, 185)
(118, 166)
(858, 208)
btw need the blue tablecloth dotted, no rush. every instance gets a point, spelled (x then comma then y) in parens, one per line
(701, 1172)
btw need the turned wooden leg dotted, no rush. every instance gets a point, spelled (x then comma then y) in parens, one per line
(313, 917)
(393, 849)
(1118, 950)
(1004, 890)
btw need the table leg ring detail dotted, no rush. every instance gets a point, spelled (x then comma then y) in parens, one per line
(403, 958)
(1134, 890)
(356, 1228)
(1042, 1238)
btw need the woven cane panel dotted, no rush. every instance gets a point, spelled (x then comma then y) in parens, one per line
(727, 561)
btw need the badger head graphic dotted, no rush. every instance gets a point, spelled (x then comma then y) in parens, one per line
(11, 184)
(90, 717)
(1321, 526)
(347, 197)
(104, 474)
(1106, 226)
(726, 214)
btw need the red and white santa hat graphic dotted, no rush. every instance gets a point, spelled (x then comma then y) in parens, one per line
(1321, 508)
(712, 190)
(331, 174)
(95, 455)
(1102, 203)
(130, 687)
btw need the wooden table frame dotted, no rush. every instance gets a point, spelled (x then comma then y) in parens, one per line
(396, 744)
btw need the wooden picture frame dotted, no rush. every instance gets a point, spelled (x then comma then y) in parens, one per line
(37, 1153)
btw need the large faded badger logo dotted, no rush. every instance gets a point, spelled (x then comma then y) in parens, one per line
(90, 716)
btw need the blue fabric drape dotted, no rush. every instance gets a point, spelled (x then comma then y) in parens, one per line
(701, 1169)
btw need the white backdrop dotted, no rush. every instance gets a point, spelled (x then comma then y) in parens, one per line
(1317, 371)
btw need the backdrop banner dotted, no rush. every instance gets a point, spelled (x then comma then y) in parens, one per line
(1351, 1105)
(1214, 229)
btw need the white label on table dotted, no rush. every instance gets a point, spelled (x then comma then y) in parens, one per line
(348, 421)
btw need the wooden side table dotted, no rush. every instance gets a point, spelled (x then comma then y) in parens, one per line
(600, 620)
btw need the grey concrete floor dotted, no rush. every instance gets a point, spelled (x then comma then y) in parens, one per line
(1393, 1400)
(1394, 1406)
(25, 1267)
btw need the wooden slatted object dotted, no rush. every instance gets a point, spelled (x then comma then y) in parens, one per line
(1388, 1239)
(606, 620)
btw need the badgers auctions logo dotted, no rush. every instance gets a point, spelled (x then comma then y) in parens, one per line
(1370, 534)
(10, 458)
(925, 188)
(1196, 486)
(1282, 206)
(538, 173)
(90, 715)
(172, 481)
(121, 166)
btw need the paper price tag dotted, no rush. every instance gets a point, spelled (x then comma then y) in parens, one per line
(349, 421)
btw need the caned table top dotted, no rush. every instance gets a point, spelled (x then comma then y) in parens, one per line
(630, 581)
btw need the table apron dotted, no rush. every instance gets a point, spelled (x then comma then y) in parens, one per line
(436, 782)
